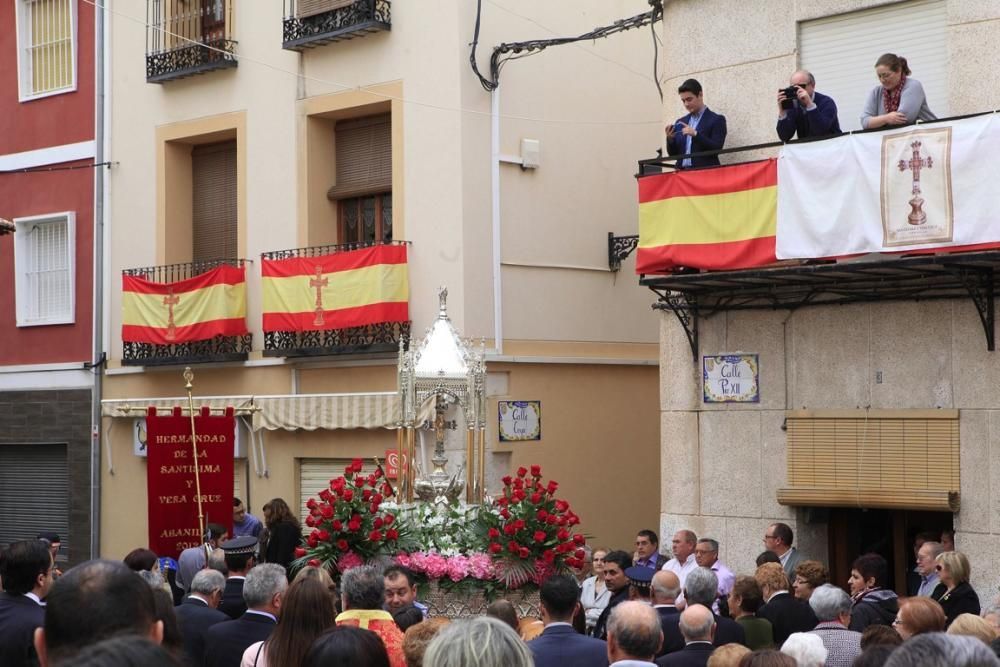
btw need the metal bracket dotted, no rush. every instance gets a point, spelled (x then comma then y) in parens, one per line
(685, 308)
(979, 283)
(620, 247)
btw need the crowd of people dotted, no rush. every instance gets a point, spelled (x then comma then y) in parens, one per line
(897, 100)
(235, 607)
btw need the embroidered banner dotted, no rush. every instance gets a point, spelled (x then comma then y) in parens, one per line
(170, 477)
(722, 218)
(211, 304)
(336, 291)
(915, 188)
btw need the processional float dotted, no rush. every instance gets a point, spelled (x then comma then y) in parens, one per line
(434, 373)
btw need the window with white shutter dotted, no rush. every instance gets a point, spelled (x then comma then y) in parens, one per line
(46, 47)
(44, 269)
(841, 51)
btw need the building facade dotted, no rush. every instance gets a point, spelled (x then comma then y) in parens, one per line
(47, 186)
(729, 470)
(242, 131)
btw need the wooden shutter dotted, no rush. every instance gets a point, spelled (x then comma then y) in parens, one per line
(841, 52)
(364, 157)
(304, 8)
(213, 170)
(34, 492)
(899, 459)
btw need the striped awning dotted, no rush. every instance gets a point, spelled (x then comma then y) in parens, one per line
(290, 412)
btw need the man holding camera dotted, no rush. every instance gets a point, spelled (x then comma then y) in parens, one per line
(804, 111)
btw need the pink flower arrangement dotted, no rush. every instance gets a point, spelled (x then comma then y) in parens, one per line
(349, 560)
(456, 568)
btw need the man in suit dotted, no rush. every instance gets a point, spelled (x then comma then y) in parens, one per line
(615, 564)
(559, 644)
(263, 591)
(700, 587)
(697, 625)
(647, 551)
(26, 570)
(199, 612)
(778, 538)
(811, 114)
(700, 130)
(633, 634)
(786, 613)
(665, 589)
(90, 603)
(240, 555)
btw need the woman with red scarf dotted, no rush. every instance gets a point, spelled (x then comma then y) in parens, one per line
(898, 99)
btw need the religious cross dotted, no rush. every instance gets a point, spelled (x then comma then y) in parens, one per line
(319, 282)
(915, 164)
(170, 301)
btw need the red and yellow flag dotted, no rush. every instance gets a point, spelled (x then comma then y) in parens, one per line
(336, 291)
(714, 219)
(208, 305)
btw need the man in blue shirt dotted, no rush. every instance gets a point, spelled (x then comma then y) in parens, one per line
(244, 523)
(700, 130)
(812, 114)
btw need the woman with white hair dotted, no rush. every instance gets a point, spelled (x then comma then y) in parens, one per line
(806, 648)
(480, 642)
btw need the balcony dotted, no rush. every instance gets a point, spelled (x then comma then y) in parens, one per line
(816, 267)
(188, 37)
(311, 338)
(218, 348)
(311, 23)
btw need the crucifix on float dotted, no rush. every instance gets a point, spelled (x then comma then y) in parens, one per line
(319, 282)
(170, 301)
(915, 164)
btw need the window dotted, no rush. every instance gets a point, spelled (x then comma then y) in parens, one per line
(841, 52)
(34, 492)
(44, 272)
(363, 190)
(315, 475)
(214, 216)
(46, 36)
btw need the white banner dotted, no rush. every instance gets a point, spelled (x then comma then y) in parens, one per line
(923, 186)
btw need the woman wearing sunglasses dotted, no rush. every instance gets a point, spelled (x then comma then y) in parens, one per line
(954, 593)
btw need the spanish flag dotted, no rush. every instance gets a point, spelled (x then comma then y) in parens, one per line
(337, 291)
(211, 304)
(714, 219)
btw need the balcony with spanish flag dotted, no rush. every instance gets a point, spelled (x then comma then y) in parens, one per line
(185, 313)
(335, 299)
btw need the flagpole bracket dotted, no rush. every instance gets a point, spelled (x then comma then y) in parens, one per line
(685, 308)
(978, 281)
(620, 247)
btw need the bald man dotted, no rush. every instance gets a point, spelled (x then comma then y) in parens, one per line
(634, 634)
(664, 591)
(808, 113)
(698, 627)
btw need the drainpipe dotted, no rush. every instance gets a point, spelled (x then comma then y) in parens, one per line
(99, 240)
(495, 191)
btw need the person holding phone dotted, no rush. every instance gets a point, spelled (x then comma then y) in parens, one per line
(700, 130)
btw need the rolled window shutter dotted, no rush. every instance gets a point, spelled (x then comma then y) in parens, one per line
(304, 8)
(213, 168)
(364, 157)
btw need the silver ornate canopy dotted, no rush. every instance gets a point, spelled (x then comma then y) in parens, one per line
(434, 373)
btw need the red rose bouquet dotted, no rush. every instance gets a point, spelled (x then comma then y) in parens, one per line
(529, 530)
(348, 522)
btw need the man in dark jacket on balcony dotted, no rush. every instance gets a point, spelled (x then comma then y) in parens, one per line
(811, 114)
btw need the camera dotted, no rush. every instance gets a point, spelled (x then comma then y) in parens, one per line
(790, 96)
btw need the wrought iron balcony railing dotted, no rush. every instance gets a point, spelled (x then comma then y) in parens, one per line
(373, 338)
(310, 23)
(188, 37)
(217, 349)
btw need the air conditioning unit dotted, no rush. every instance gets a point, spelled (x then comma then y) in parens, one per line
(304, 8)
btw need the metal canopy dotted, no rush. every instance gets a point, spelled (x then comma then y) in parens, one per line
(868, 279)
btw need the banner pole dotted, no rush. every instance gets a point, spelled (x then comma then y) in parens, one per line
(188, 376)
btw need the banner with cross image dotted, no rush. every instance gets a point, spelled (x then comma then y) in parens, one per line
(336, 291)
(210, 304)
